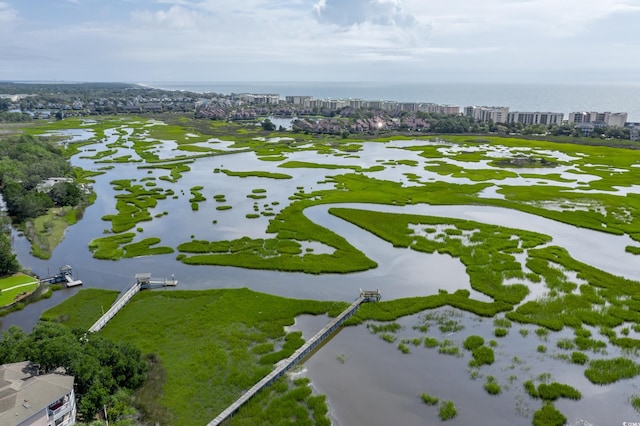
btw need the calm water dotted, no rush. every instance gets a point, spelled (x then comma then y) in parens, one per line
(518, 97)
(376, 384)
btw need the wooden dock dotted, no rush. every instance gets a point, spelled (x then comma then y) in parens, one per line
(283, 366)
(115, 308)
(142, 281)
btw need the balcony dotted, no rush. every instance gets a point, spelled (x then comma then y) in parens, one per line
(59, 409)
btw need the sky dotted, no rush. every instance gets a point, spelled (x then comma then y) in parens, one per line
(512, 41)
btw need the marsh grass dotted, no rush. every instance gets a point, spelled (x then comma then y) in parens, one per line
(548, 415)
(214, 336)
(482, 355)
(428, 399)
(447, 410)
(605, 371)
(491, 386)
(82, 309)
(261, 174)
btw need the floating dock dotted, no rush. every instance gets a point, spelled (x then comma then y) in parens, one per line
(65, 276)
(285, 365)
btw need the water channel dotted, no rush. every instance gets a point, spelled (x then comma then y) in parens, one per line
(366, 380)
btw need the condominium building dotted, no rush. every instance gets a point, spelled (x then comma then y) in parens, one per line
(440, 109)
(27, 398)
(486, 113)
(599, 118)
(260, 98)
(528, 118)
(634, 131)
(298, 100)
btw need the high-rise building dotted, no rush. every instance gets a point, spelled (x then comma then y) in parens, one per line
(528, 118)
(486, 113)
(599, 118)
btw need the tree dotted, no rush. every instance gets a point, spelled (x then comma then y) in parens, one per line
(268, 125)
(8, 261)
(65, 194)
(100, 367)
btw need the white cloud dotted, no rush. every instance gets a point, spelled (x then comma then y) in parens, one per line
(7, 13)
(314, 39)
(176, 18)
(353, 12)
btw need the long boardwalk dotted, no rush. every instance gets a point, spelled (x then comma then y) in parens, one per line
(298, 355)
(113, 310)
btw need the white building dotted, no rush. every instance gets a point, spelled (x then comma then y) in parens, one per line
(439, 108)
(29, 399)
(260, 98)
(529, 118)
(298, 100)
(599, 118)
(486, 113)
(634, 131)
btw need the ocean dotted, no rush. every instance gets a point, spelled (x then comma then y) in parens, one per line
(518, 97)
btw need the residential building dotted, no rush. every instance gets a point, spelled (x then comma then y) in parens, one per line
(599, 119)
(634, 131)
(486, 113)
(298, 100)
(260, 98)
(529, 118)
(27, 398)
(440, 109)
(586, 128)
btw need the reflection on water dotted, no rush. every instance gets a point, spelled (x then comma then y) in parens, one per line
(370, 381)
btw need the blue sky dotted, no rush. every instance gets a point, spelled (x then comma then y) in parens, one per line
(553, 41)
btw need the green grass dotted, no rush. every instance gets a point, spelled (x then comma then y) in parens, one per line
(211, 339)
(548, 415)
(491, 386)
(83, 309)
(447, 410)
(555, 390)
(472, 342)
(261, 174)
(428, 399)
(482, 355)
(19, 284)
(606, 371)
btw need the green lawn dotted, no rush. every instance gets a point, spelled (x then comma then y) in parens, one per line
(15, 285)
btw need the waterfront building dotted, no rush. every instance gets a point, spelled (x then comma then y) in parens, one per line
(260, 98)
(28, 398)
(298, 100)
(529, 118)
(634, 131)
(486, 113)
(356, 103)
(599, 119)
(439, 108)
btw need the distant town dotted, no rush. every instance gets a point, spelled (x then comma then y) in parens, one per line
(23, 102)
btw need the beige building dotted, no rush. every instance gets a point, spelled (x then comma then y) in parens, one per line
(486, 113)
(439, 108)
(599, 118)
(528, 118)
(30, 399)
(298, 100)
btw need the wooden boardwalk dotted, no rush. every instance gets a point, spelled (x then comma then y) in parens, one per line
(283, 366)
(113, 310)
(142, 281)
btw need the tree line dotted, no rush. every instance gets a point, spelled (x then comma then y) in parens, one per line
(25, 162)
(103, 369)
